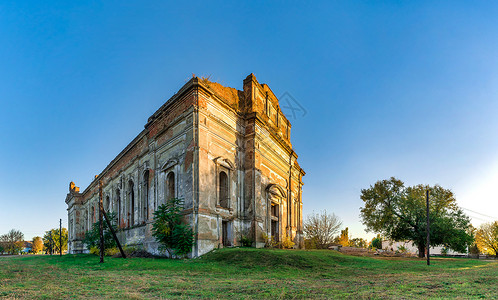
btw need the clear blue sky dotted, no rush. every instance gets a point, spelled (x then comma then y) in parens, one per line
(405, 89)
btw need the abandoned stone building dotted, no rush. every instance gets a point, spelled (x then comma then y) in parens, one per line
(225, 152)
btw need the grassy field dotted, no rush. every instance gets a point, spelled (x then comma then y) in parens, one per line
(247, 273)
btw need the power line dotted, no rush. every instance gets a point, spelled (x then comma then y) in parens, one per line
(494, 218)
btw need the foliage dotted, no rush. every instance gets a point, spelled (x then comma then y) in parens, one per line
(487, 238)
(320, 228)
(12, 242)
(402, 249)
(399, 213)
(52, 240)
(245, 241)
(174, 236)
(287, 242)
(358, 243)
(444, 251)
(343, 238)
(474, 249)
(37, 244)
(269, 241)
(92, 237)
(2, 249)
(377, 242)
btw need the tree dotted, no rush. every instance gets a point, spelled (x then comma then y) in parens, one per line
(12, 242)
(37, 244)
(376, 242)
(51, 240)
(399, 213)
(174, 236)
(487, 238)
(320, 228)
(2, 249)
(343, 239)
(358, 243)
(92, 237)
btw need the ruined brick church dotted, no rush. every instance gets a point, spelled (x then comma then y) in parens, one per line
(225, 152)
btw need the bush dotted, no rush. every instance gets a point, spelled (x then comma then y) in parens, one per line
(92, 237)
(245, 241)
(173, 235)
(269, 241)
(287, 243)
(377, 243)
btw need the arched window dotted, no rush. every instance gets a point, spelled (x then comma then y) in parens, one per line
(146, 195)
(131, 211)
(170, 182)
(223, 189)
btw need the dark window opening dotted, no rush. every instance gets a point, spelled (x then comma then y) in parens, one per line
(224, 234)
(171, 185)
(223, 189)
(275, 222)
(118, 206)
(131, 212)
(146, 195)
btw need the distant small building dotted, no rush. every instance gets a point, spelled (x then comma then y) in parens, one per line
(412, 249)
(27, 247)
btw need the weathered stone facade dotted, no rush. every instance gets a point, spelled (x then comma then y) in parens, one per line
(225, 152)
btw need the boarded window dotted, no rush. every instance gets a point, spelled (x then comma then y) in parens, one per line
(223, 189)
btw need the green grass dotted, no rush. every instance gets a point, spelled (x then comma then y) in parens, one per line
(247, 273)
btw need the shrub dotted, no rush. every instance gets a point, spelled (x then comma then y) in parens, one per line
(245, 241)
(92, 237)
(287, 242)
(269, 241)
(173, 235)
(377, 243)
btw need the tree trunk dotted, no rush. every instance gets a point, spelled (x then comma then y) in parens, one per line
(421, 250)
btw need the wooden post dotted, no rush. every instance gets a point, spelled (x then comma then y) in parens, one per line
(113, 234)
(101, 224)
(428, 228)
(60, 237)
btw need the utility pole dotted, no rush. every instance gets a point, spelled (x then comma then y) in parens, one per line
(101, 224)
(60, 237)
(428, 228)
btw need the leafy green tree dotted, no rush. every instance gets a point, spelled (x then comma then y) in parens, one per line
(487, 238)
(377, 242)
(92, 237)
(399, 213)
(2, 249)
(12, 242)
(51, 240)
(174, 236)
(358, 243)
(320, 229)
